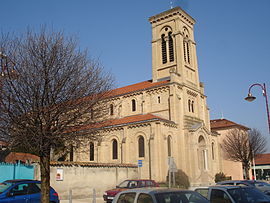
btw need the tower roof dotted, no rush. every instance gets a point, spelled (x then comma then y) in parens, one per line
(170, 13)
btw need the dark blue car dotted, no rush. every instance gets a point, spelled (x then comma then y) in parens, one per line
(22, 191)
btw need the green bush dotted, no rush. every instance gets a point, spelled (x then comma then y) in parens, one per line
(181, 179)
(221, 177)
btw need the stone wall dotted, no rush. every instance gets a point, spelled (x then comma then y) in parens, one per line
(84, 178)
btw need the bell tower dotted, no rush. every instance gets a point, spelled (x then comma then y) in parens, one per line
(174, 48)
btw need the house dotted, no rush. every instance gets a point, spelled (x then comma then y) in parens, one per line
(232, 169)
(262, 166)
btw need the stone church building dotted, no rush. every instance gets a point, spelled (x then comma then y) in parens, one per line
(165, 118)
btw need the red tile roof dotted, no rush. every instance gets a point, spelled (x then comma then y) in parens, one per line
(262, 159)
(123, 121)
(90, 164)
(13, 157)
(137, 87)
(219, 124)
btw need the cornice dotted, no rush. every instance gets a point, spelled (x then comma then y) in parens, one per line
(170, 14)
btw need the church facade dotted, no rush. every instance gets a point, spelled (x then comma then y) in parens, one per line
(165, 118)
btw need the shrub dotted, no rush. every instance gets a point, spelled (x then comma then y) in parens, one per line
(221, 177)
(181, 179)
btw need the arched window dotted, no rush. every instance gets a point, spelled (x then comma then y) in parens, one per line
(192, 106)
(158, 99)
(189, 105)
(203, 153)
(71, 153)
(169, 144)
(213, 150)
(163, 49)
(111, 109)
(171, 51)
(114, 149)
(133, 104)
(92, 151)
(141, 146)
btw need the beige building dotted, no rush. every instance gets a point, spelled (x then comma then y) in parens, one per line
(231, 169)
(166, 117)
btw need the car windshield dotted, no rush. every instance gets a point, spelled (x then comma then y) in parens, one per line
(128, 184)
(180, 196)
(4, 186)
(262, 186)
(247, 195)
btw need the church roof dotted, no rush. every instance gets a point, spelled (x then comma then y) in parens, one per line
(129, 120)
(137, 87)
(262, 159)
(219, 124)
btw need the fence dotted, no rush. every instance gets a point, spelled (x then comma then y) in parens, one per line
(16, 171)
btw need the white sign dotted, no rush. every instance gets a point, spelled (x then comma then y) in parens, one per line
(59, 174)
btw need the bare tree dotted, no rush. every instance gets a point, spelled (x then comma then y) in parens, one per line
(49, 88)
(243, 146)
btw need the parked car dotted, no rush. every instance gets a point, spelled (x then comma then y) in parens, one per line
(24, 191)
(126, 185)
(159, 195)
(233, 194)
(262, 186)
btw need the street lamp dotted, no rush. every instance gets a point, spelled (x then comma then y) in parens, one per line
(251, 98)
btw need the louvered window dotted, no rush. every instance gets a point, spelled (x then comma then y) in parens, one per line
(163, 49)
(171, 51)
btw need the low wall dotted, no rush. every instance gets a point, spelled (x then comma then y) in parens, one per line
(84, 178)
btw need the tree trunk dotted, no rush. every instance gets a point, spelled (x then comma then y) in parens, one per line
(45, 178)
(246, 168)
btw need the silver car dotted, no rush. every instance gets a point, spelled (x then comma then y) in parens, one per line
(233, 194)
(159, 195)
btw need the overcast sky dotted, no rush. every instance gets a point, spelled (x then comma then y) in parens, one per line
(232, 36)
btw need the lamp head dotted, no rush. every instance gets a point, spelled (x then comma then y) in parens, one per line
(250, 98)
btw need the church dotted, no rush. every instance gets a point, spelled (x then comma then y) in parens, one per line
(165, 118)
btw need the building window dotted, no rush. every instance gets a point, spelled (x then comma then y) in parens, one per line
(191, 106)
(114, 149)
(158, 99)
(92, 114)
(163, 49)
(169, 145)
(213, 150)
(71, 153)
(186, 48)
(141, 146)
(133, 104)
(92, 151)
(171, 51)
(111, 109)
(203, 160)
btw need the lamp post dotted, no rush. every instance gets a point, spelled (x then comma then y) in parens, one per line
(251, 98)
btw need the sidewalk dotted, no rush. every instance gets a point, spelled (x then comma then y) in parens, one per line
(85, 200)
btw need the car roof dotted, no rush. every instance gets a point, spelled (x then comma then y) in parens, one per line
(138, 180)
(156, 190)
(229, 186)
(19, 180)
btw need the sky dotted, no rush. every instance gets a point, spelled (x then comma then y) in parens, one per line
(232, 38)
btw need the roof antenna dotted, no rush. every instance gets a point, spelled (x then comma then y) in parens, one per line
(222, 116)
